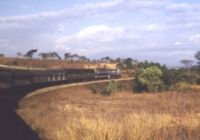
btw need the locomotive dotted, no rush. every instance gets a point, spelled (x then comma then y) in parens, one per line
(17, 76)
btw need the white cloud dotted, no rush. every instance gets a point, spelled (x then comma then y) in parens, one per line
(68, 13)
(195, 39)
(177, 43)
(93, 30)
(112, 6)
(4, 42)
(183, 6)
(141, 28)
(152, 27)
(81, 11)
(97, 39)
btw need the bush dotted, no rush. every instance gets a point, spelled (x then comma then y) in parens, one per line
(105, 92)
(169, 77)
(149, 79)
(105, 89)
(94, 88)
(182, 87)
(110, 88)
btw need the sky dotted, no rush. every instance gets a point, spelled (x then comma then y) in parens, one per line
(164, 31)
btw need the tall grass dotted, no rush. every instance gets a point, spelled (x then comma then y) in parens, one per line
(132, 127)
(78, 114)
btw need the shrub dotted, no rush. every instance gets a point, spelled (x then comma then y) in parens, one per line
(94, 88)
(182, 87)
(149, 79)
(169, 77)
(105, 92)
(105, 89)
(110, 88)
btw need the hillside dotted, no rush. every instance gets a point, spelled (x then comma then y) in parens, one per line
(77, 113)
(38, 63)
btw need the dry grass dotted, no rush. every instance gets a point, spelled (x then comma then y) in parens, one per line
(77, 114)
(39, 63)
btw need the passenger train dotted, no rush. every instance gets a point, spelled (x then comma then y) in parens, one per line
(15, 76)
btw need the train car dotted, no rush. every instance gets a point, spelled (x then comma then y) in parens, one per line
(79, 74)
(10, 77)
(107, 73)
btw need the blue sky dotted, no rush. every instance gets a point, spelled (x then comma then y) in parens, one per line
(164, 31)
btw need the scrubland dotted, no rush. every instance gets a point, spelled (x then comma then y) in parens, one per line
(76, 113)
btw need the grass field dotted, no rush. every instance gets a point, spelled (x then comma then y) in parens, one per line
(78, 114)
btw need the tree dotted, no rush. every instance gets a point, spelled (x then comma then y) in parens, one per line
(118, 60)
(74, 57)
(106, 59)
(50, 55)
(197, 56)
(67, 55)
(44, 55)
(30, 53)
(55, 55)
(187, 63)
(83, 58)
(2, 55)
(149, 79)
(130, 63)
(19, 54)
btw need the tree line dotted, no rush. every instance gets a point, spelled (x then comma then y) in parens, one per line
(154, 77)
(52, 55)
(122, 62)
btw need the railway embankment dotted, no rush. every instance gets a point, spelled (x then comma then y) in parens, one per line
(58, 87)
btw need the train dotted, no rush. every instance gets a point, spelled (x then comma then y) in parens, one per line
(17, 76)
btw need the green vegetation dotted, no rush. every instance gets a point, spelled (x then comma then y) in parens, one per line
(94, 88)
(106, 89)
(111, 87)
(149, 79)
(153, 77)
(182, 87)
(197, 56)
(30, 53)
